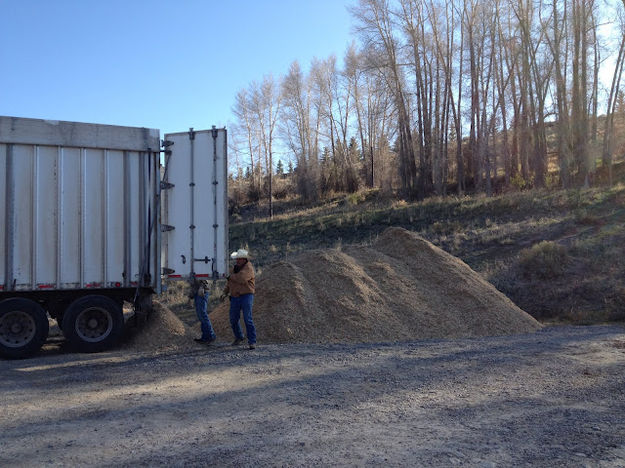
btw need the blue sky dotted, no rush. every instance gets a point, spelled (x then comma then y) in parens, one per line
(162, 64)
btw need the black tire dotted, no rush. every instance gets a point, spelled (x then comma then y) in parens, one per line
(23, 328)
(93, 323)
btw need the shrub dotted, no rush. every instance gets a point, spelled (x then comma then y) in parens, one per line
(521, 183)
(587, 219)
(552, 180)
(544, 260)
(254, 193)
(440, 228)
(236, 198)
(355, 198)
(282, 189)
(437, 227)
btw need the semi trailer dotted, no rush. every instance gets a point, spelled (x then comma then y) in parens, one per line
(94, 216)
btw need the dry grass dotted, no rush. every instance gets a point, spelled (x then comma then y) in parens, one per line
(489, 235)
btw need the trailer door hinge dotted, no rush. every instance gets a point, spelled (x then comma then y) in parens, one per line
(166, 143)
(167, 227)
(168, 271)
(166, 185)
(191, 134)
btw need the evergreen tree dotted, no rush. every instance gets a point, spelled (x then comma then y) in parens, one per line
(354, 153)
(279, 168)
(325, 155)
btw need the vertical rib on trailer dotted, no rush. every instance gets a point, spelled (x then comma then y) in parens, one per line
(10, 219)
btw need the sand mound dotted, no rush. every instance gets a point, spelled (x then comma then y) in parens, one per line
(401, 288)
(162, 331)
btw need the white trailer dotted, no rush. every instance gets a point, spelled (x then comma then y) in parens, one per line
(81, 207)
(195, 204)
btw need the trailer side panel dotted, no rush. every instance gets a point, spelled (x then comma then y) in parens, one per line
(78, 209)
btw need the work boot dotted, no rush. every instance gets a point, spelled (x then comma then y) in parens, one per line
(252, 345)
(238, 341)
(204, 341)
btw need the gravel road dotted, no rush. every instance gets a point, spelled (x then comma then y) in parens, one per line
(551, 398)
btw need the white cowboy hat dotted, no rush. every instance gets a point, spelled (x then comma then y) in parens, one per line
(241, 253)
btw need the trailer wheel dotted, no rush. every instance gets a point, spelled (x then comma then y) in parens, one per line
(23, 327)
(93, 323)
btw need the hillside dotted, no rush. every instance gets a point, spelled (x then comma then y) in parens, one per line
(576, 275)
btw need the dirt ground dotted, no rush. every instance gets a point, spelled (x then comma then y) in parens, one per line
(551, 398)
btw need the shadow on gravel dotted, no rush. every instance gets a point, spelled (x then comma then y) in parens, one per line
(551, 430)
(349, 378)
(102, 366)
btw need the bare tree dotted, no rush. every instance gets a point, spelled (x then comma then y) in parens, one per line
(266, 100)
(300, 131)
(608, 133)
(376, 29)
(579, 93)
(372, 105)
(556, 38)
(484, 79)
(246, 125)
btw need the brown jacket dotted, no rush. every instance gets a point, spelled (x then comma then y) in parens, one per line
(242, 282)
(198, 288)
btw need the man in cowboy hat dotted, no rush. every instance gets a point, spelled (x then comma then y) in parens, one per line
(241, 289)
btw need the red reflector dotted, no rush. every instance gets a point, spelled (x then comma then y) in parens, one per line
(174, 276)
(45, 286)
(118, 285)
(201, 276)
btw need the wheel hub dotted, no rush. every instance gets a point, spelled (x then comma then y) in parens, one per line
(17, 328)
(94, 324)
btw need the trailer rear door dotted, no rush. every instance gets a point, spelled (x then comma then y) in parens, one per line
(194, 217)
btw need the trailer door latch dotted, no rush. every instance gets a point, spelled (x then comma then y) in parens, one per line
(205, 259)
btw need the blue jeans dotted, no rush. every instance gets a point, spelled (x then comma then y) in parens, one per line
(201, 306)
(238, 304)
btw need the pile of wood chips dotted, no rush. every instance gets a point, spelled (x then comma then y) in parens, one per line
(401, 288)
(162, 331)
